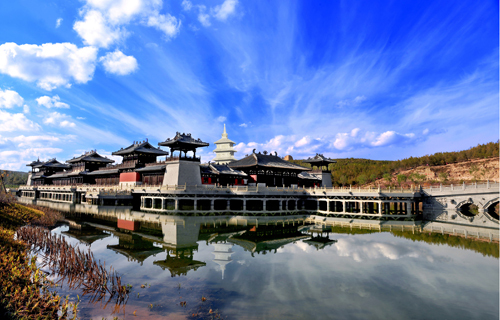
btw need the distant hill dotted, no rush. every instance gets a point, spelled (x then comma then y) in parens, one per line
(15, 178)
(368, 172)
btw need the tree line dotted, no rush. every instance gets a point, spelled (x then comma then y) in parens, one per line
(353, 171)
(13, 179)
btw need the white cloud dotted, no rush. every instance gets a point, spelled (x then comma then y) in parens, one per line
(204, 19)
(17, 159)
(16, 121)
(186, 5)
(81, 118)
(32, 141)
(225, 9)
(349, 141)
(53, 102)
(60, 119)
(166, 23)
(10, 98)
(95, 31)
(103, 21)
(221, 119)
(26, 109)
(118, 63)
(58, 22)
(51, 64)
(351, 102)
(244, 125)
(302, 142)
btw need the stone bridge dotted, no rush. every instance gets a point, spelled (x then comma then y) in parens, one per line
(452, 204)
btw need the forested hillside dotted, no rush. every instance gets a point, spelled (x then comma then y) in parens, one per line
(363, 171)
(13, 179)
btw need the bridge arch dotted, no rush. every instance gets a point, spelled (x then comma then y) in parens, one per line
(468, 208)
(491, 208)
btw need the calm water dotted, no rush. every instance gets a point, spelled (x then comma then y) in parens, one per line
(287, 272)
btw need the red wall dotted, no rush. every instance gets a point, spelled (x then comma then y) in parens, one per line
(128, 225)
(130, 177)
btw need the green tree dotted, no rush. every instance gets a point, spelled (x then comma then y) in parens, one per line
(443, 176)
(401, 178)
(362, 179)
(387, 177)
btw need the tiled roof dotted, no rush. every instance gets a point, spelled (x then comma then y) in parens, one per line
(53, 163)
(34, 163)
(265, 160)
(90, 156)
(307, 176)
(160, 167)
(141, 147)
(102, 172)
(221, 169)
(319, 158)
(183, 139)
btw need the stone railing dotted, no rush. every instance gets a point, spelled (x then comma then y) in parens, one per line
(462, 187)
(214, 188)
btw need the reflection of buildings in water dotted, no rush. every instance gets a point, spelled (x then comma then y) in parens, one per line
(179, 261)
(265, 239)
(85, 233)
(223, 249)
(222, 252)
(320, 241)
(134, 247)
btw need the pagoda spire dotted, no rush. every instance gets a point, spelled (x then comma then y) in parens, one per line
(224, 134)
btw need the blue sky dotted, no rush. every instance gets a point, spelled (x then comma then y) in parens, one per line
(378, 80)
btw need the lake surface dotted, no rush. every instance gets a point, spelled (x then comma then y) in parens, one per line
(284, 270)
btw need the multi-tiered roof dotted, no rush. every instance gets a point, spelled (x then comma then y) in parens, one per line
(224, 152)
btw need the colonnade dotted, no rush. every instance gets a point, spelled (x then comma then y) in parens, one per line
(28, 194)
(56, 196)
(372, 207)
(326, 206)
(158, 203)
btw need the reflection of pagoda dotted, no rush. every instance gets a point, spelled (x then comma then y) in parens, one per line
(223, 249)
(134, 247)
(179, 261)
(222, 252)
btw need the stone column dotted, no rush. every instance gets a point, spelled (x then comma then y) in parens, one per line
(176, 204)
(228, 205)
(264, 205)
(212, 204)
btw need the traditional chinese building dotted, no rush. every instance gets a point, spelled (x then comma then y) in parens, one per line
(137, 156)
(183, 170)
(224, 152)
(269, 170)
(42, 171)
(80, 167)
(222, 175)
(321, 164)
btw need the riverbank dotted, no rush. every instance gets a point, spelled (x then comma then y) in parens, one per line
(24, 290)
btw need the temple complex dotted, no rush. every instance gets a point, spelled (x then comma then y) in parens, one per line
(224, 151)
(181, 167)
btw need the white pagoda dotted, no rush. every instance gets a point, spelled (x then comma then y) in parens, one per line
(224, 152)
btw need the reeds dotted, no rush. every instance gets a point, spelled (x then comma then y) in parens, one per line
(79, 269)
